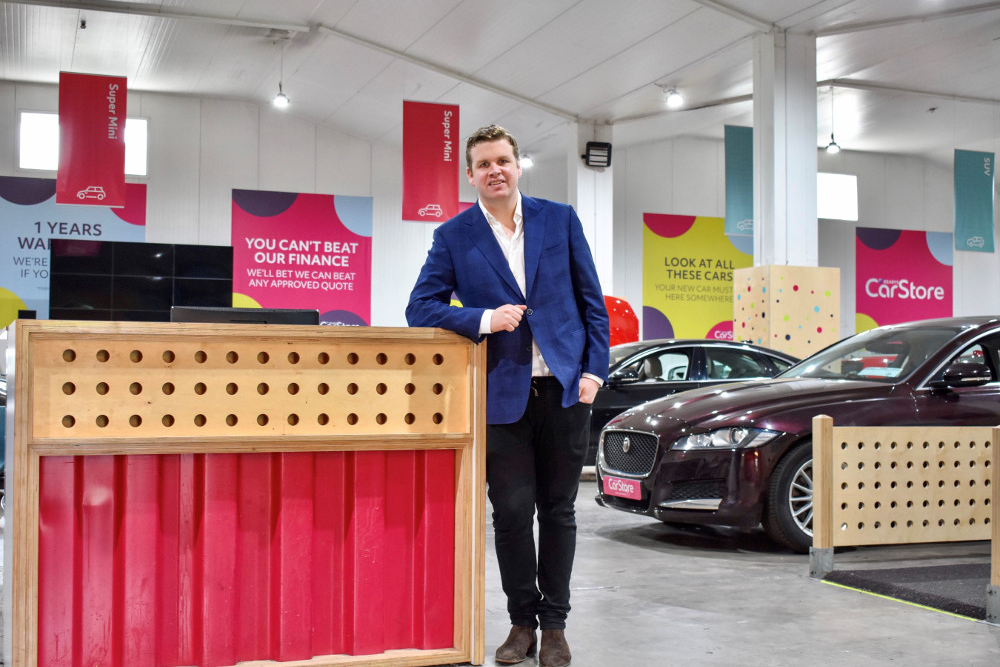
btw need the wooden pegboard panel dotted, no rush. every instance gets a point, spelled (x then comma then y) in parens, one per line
(240, 384)
(894, 485)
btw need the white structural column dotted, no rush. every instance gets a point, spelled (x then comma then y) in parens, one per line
(784, 149)
(591, 192)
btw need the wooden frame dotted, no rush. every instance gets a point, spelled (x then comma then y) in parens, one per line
(246, 388)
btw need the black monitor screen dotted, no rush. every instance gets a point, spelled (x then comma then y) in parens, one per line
(244, 315)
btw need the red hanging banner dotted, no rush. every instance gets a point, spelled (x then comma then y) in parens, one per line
(91, 140)
(432, 152)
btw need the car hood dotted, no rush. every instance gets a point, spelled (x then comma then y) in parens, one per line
(786, 405)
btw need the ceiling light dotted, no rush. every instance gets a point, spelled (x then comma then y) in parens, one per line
(674, 99)
(281, 100)
(527, 161)
(833, 147)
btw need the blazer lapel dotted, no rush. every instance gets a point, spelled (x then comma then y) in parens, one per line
(534, 236)
(482, 235)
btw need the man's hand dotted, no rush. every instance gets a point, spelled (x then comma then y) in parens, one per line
(506, 317)
(588, 390)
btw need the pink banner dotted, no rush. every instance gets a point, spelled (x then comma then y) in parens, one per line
(91, 140)
(902, 276)
(303, 251)
(432, 153)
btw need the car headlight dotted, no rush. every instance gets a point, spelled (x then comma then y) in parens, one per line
(726, 438)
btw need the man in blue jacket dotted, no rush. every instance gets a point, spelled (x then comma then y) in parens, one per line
(526, 278)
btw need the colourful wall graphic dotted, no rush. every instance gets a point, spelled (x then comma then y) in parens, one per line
(303, 251)
(30, 217)
(687, 276)
(795, 309)
(902, 275)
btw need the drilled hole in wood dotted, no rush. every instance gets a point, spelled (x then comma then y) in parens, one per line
(293, 388)
(103, 355)
(352, 388)
(262, 388)
(168, 420)
(409, 388)
(135, 420)
(437, 359)
(352, 358)
(200, 388)
(380, 388)
(135, 388)
(232, 388)
(409, 418)
(231, 420)
(381, 359)
(323, 358)
(69, 355)
(103, 388)
(293, 419)
(168, 388)
(68, 388)
(200, 420)
(352, 419)
(380, 418)
(68, 421)
(323, 388)
(323, 419)
(263, 358)
(410, 359)
(437, 418)
(102, 421)
(293, 357)
(437, 388)
(135, 356)
(168, 356)
(232, 357)
(262, 420)
(201, 356)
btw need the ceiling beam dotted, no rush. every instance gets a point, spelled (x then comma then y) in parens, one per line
(760, 24)
(906, 20)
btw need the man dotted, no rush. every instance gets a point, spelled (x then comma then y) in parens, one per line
(524, 273)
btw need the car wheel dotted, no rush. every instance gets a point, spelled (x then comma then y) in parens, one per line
(789, 516)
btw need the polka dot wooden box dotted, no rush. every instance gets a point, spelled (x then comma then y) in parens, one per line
(203, 494)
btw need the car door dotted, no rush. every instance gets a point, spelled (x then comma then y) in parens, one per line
(655, 373)
(964, 406)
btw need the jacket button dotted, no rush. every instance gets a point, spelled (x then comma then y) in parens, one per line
(528, 312)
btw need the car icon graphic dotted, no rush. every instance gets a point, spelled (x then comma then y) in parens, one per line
(431, 209)
(976, 242)
(745, 225)
(92, 192)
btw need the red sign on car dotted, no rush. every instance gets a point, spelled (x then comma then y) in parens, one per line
(623, 488)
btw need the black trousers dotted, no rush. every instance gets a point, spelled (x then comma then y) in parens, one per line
(536, 463)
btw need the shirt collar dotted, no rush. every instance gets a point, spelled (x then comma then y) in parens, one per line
(518, 216)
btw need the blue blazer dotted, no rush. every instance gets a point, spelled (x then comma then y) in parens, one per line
(566, 315)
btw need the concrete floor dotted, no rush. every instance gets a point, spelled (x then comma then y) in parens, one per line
(647, 594)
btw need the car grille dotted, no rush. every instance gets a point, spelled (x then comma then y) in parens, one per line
(638, 460)
(701, 489)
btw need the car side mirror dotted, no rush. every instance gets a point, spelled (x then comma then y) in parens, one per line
(959, 374)
(624, 376)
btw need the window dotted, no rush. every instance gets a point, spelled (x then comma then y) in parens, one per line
(39, 144)
(837, 196)
(726, 364)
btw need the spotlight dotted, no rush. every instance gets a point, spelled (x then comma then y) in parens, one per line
(674, 99)
(280, 100)
(527, 162)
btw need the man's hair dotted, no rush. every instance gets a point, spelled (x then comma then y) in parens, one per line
(489, 133)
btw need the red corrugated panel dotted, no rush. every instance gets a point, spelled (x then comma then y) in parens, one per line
(215, 559)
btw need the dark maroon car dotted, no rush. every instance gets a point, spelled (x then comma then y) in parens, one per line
(741, 455)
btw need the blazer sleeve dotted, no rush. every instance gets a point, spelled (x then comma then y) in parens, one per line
(430, 299)
(590, 302)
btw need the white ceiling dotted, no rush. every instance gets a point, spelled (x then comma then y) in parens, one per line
(910, 76)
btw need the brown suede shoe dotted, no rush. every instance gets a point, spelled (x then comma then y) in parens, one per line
(521, 643)
(555, 650)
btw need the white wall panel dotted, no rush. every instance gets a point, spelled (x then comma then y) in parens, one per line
(229, 160)
(172, 187)
(287, 152)
(8, 129)
(343, 164)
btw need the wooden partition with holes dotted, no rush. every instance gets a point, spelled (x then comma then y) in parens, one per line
(905, 484)
(211, 495)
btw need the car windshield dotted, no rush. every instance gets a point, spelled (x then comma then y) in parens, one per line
(882, 355)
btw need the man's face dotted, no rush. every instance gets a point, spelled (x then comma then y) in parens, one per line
(494, 171)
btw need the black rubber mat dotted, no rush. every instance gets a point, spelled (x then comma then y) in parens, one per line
(956, 589)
